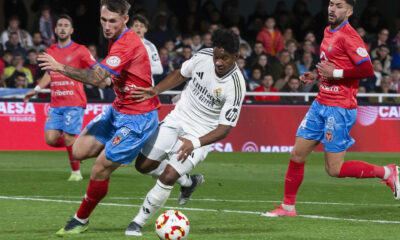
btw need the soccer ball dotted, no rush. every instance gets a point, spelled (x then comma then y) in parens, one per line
(172, 225)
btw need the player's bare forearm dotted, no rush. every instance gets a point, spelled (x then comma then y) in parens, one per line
(94, 76)
(172, 80)
(215, 135)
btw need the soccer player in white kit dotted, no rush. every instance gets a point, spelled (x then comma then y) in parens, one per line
(140, 25)
(209, 107)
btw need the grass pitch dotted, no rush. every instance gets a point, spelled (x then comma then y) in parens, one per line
(36, 200)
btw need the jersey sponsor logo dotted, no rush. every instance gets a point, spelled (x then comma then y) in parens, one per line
(113, 61)
(362, 52)
(200, 74)
(232, 114)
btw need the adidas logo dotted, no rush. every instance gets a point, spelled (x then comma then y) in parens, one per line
(200, 74)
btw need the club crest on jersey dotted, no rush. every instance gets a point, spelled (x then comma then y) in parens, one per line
(116, 140)
(113, 61)
(218, 92)
(328, 136)
(362, 52)
(68, 58)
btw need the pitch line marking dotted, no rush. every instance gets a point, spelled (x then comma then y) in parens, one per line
(202, 210)
(230, 200)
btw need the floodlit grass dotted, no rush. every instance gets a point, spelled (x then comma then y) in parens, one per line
(243, 183)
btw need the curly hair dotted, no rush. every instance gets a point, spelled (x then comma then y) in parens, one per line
(226, 39)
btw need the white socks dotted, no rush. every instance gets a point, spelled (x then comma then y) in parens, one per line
(154, 200)
(387, 173)
(288, 207)
(83, 221)
(185, 181)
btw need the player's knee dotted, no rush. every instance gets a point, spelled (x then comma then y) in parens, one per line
(296, 156)
(77, 153)
(332, 171)
(141, 166)
(51, 141)
(169, 176)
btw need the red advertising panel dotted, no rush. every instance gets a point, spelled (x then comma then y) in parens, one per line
(260, 128)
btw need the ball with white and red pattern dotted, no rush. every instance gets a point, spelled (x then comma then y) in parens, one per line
(172, 225)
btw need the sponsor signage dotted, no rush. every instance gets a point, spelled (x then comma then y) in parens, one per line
(259, 129)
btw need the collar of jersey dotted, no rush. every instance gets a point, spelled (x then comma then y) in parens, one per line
(229, 73)
(69, 44)
(334, 30)
(120, 36)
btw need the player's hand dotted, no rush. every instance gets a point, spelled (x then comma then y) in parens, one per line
(308, 78)
(325, 69)
(185, 150)
(29, 95)
(47, 62)
(141, 94)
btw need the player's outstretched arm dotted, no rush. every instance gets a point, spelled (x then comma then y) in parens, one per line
(172, 80)
(95, 76)
(44, 82)
(190, 144)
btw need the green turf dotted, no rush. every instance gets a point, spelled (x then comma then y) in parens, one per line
(255, 178)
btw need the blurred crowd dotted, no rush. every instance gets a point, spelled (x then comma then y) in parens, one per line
(275, 49)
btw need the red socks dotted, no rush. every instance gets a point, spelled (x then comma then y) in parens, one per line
(75, 164)
(359, 169)
(294, 177)
(96, 191)
(60, 142)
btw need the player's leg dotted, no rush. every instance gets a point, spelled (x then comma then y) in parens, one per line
(53, 128)
(96, 191)
(72, 125)
(308, 137)
(337, 140)
(159, 194)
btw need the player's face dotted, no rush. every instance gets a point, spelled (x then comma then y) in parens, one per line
(139, 28)
(63, 29)
(338, 12)
(223, 61)
(113, 23)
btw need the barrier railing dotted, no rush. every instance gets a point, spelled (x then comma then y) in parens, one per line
(19, 93)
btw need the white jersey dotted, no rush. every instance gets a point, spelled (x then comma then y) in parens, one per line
(208, 100)
(155, 62)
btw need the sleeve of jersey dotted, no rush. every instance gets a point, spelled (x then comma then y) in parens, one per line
(188, 67)
(355, 49)
(231, 109)
(87, 59)
(156, 67)
(116, 59)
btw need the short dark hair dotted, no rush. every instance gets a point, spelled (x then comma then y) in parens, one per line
(351, 2)
(20, 74)
(65, 16)
(226, 39)
(140, 18)
(119, 6)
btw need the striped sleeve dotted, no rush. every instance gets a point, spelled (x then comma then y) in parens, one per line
(234, 95)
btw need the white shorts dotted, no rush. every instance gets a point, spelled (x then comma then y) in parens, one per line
(164, 144)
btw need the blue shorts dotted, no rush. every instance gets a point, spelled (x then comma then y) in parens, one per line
(65, 119)
(329, 125)
(123, 135)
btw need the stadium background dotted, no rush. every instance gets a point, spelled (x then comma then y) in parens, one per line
(264, 132)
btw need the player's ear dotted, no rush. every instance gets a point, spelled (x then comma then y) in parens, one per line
(349, 12)
(126, 19)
